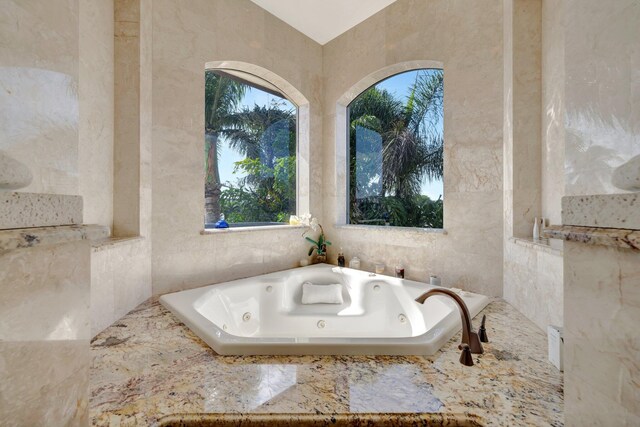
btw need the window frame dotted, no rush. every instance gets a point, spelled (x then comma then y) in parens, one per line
(266, 225)
(353, 94)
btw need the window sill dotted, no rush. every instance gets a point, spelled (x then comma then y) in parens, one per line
(391, 228)
(545, 245)
(252, 228)
(112, 242)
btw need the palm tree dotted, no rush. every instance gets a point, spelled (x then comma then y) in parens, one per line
(264, 132)
(222, 97)
(412, 146)
(266, 136)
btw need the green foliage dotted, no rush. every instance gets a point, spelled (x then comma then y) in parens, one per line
(394, 147)
(266, 136)
(266, 194)
(320, 245)
(418, 211)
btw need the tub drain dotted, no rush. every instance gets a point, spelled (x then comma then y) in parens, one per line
(246, 317)
(321, 324)
(269, 288)
(224, 327)
(376, 288)
(402, 318)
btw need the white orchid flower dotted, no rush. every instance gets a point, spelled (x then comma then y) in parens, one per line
(314, 224)
(305, 219)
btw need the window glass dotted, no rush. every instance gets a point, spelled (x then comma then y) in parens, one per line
(396, 152)
(250, 151)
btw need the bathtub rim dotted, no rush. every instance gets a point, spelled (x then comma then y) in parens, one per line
(224, 343)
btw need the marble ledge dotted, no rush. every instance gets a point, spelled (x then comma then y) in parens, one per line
(320, 420)
(544, 245)
(11, 240)
(284, 227)
(388, 228)
(112, 242)
(616, 237)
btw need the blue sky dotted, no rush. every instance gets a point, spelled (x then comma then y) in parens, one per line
(398, 85)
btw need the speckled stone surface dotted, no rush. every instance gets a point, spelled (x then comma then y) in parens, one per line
(606, 210)
(23, 210)
(40, 236)
(148, 365)
(619, 238)
(387, 419)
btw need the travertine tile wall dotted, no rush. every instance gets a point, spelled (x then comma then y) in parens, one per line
(552, 109)
(602, 313)
(533, 280)
(602, 92)
(44, 335)
(522, 99)
(120, 280)
(39, 100)
(121, 268)
(602, 299)
(126, 154)
(44, 309)
(187, 35)
(95, 92)
(466, 37)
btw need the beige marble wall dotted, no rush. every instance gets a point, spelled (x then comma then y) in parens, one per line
(39, 98)
(602, 92)
(187, 35)
(533, 281)
(126, 155)
(533, 140)
(120, 280)
(522, 124)
(121, 267)
(552, 109)
(95, 91)
(44, 335)
(602, 313)
(466, 37)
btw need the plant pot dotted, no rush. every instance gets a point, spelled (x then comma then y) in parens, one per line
(320, 258)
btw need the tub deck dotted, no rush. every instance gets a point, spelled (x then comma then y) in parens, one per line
(149, 365)
(264, 315)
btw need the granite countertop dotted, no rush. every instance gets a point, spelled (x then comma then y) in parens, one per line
(604, 219)
(149, 365)
(616, 237)
(22, 238)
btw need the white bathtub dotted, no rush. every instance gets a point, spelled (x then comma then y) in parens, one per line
(264, 314)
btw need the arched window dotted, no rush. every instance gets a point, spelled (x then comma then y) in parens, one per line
(250, 150)
(395, 151)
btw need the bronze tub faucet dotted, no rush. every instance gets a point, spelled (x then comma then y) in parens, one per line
(471, 341)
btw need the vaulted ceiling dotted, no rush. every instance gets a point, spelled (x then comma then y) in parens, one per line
(323, 20)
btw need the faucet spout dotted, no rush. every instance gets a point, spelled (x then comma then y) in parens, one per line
(469, 337)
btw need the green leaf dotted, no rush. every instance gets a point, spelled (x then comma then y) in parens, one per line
(312, 241)
(310, 251)
(327, 242)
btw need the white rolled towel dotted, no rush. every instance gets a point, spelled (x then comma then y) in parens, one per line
(321, 294)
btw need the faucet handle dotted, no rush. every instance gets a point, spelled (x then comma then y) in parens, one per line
(466, 358)
(482, 332)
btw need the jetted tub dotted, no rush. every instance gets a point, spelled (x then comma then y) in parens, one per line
(264, 314)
